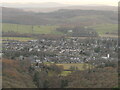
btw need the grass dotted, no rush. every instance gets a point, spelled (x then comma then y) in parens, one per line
(103, 28)
(66, 67)
(80, 66)
(36, 29)
(112, 36)
(17, 38)
(65, 73)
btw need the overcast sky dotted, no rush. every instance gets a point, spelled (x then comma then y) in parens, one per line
(75, 2)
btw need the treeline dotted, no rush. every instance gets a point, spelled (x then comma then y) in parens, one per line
(19, 74)
(78, 31)
(99, 77)
(15, 74)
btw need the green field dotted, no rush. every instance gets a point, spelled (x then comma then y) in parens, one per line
(36, 29)
(80, 66)
(65, 73)
(66, 67)
(17, 38)
(103, 28)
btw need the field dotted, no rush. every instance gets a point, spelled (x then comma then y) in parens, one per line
(109, 35)
(65, 73)
(29, 29)
(102, 29)
(80, 66)
(66, 67)
(36, 29)
(18, 38)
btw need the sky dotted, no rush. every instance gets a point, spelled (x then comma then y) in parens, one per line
(72, 2)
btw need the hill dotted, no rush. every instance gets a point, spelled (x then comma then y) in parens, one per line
(52, 9)
(54, 6)
(60, 17)
(15, 75)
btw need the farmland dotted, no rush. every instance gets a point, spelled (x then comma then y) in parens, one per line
(104, 28)
(29, 29)
(80, 66)
(101, 29)
(65, 73)
(68, 67)
(18, 38)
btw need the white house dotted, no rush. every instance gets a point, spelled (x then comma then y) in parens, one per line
(108, 56)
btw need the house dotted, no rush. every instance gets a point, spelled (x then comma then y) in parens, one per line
(38, 61)
(1, 55)
(21, 57)
(108, 56)
(70, 31)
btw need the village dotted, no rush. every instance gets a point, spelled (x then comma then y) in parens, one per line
(63, 50)
(59, 44)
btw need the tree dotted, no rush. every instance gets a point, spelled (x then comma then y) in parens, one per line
(64, 83)
(55, 68)
(97, 50)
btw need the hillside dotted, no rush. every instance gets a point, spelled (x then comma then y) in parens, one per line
(15, 75)
(54, 6)
(102, 8)
(60, 17)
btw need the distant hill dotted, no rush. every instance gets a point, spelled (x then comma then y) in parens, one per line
(53, 6)
(60, 17)
(52, 9)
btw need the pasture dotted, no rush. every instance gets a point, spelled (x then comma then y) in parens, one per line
(101, 29)
(29, 29)
(67, 67)
(17, 38)
(104, 28)
(80, 66)
(65, 73)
